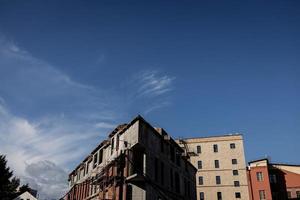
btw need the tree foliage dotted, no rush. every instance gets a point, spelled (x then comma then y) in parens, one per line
(8, 183)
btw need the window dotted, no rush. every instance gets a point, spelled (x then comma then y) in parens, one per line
(217, 165)
(298, 194)
(232, 146)
(162, 169)
(162, 145)
(112, 145)
(201, 195)
(118, 141)
(171, 178)
(238, 195)
(215, 148)
(218, 180)
(100, 156)
(219, 195)
(177, 182)
(95, 160)
(198, 149)
(289, 194)
(236, 184)
(156, 169)
(235, 172)
(259, 176)
(172, 153)
(87, 168)
(234, 161)
(199, 164)
(178, 156)
(200, 180)
(273, 178)
(262, 194)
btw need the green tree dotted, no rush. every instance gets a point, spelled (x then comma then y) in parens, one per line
(8, 183)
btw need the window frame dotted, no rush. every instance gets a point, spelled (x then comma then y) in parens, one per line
(199, 150)
(217, 164)
(218, 180)
(238, 195)
(234, 161)
(200, 180)
(235, 174)
(262, 194)
(200, 164)
(215, 148)
(236, 183)
(259, 176)
(201, 196)
(232, 146)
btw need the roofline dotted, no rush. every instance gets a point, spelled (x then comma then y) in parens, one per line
(104, 142)
(137, 118)
(253, 161)
(213, 136)
(285, 164)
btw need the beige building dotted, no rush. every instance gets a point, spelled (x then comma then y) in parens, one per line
(221, 165)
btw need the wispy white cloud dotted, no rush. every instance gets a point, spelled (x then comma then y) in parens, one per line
(149, 89)
(105, 125)
(152, 83)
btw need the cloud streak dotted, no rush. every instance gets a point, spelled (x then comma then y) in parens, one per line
(152, 84)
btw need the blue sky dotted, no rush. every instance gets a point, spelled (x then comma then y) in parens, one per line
(72, 70)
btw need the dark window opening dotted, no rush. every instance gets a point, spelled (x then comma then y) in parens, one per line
(238, 195)
(156, 169)
(234, 161)
(200, 181)
(101, 156)
(162, 169)
(118, 141)
(232, 146)
(201, 195)
(216, 148)
(95, 160)
(219, 195)
(236, 184)
(162, 145)
(112, 145)
(177, 182)
(198, 149)
(178, 156)
(171, 178)
(172, 153)
(217, 164)
(199, 164)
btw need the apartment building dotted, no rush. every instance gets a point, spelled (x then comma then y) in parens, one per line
(135, 162)
(271, 181)
(221, 166)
